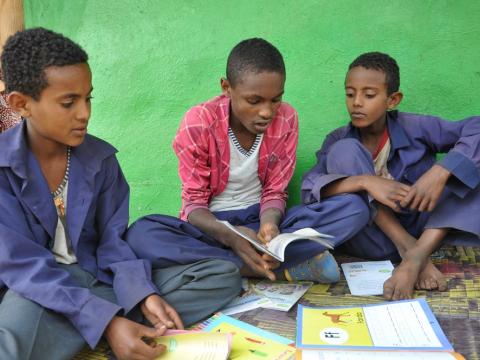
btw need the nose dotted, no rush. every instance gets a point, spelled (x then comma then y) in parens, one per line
(84, 110)
(267, 112)
(357, 101)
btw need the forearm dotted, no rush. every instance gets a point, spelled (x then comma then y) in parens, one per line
(204, 220)
(271, 216)
(351, 184)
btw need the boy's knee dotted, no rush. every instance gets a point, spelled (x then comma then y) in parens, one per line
(357, 207)
(228, 275)
(350, 157)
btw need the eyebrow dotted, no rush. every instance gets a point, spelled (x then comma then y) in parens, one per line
(364, 88)
(74, 95)
(253, 94)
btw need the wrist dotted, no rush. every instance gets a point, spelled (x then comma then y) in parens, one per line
(441, 172)
(361, 182)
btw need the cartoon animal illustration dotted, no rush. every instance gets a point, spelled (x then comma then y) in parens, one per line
(336, 318)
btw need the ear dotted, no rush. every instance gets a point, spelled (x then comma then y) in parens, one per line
(394, 99)
(225, 85)
(19, 103)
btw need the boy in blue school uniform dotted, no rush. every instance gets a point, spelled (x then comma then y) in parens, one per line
(68, 277)
(390, 157)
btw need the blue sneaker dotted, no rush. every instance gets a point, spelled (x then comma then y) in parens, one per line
(322, 268)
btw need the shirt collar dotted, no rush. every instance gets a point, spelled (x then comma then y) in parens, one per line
(15, 149)
(398, 137)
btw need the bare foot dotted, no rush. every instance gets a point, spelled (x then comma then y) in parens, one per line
(431, 278)
(400, 285)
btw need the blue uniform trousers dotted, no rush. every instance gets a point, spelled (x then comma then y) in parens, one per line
(166, 240)
(29, 331)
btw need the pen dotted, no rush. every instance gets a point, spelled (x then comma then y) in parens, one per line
(258, 353)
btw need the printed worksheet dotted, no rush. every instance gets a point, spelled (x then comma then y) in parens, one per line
(367, 278)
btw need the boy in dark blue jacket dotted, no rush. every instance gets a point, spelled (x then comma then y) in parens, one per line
(67, 275)
(391, 157)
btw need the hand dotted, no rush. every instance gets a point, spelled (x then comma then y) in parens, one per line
(249, 255)
(267, 232)
(387, 192)
(160, 314)
(125, 338)
(424, 194)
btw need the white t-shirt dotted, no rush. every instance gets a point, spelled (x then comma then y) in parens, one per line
(62, 250)
(243, 188)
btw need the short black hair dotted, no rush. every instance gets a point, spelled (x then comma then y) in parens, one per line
(382, 62)
(28, 53)
(253, 55)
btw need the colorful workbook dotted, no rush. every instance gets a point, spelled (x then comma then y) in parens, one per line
(181, 345)
(276, 247)
(250, 342)
(407, 325)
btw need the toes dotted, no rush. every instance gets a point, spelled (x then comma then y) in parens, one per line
(388, 290)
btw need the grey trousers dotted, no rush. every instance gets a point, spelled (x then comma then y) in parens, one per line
(29, 331)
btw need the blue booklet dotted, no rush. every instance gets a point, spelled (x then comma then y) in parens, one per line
(407, 325)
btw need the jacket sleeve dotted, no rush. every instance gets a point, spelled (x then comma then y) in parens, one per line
(191, 147)
(131, 276)
(280, 167)
(318, 177)
(29, 269)
(460, 140)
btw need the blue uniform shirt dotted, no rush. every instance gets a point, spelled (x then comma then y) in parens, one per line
(415, 142)
(97, 217)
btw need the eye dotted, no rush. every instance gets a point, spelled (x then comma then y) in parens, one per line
(67, 105)
(254, 101)
(89, 98)
(370, 96)
(349, 95)
(277, 100)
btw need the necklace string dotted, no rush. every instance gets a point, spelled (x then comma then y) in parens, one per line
(64, 182)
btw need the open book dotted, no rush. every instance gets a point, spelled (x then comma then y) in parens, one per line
(276, 247)
(408, 329)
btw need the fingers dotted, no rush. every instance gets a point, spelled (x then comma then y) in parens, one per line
(408, 198)
(175, 317)
(150, 350)
(253, 260)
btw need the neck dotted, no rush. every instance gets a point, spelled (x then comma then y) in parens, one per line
(44, 149)
(375, 130)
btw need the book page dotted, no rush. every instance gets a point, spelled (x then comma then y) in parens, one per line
(195, 345)
(407, 326)
(367, 278)
(282, 295)
(375, 355)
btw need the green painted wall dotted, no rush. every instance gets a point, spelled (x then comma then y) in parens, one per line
(152, 60)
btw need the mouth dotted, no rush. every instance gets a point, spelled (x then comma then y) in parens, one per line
(357, 115)
(80, 131)
(261, 125)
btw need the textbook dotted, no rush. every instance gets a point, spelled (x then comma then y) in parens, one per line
(276, 247)
(181, 344)
(406, 326)
(249, 342)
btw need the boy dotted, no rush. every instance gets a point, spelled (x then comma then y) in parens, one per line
(391, 156)
(236, 156)
(67, 276)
